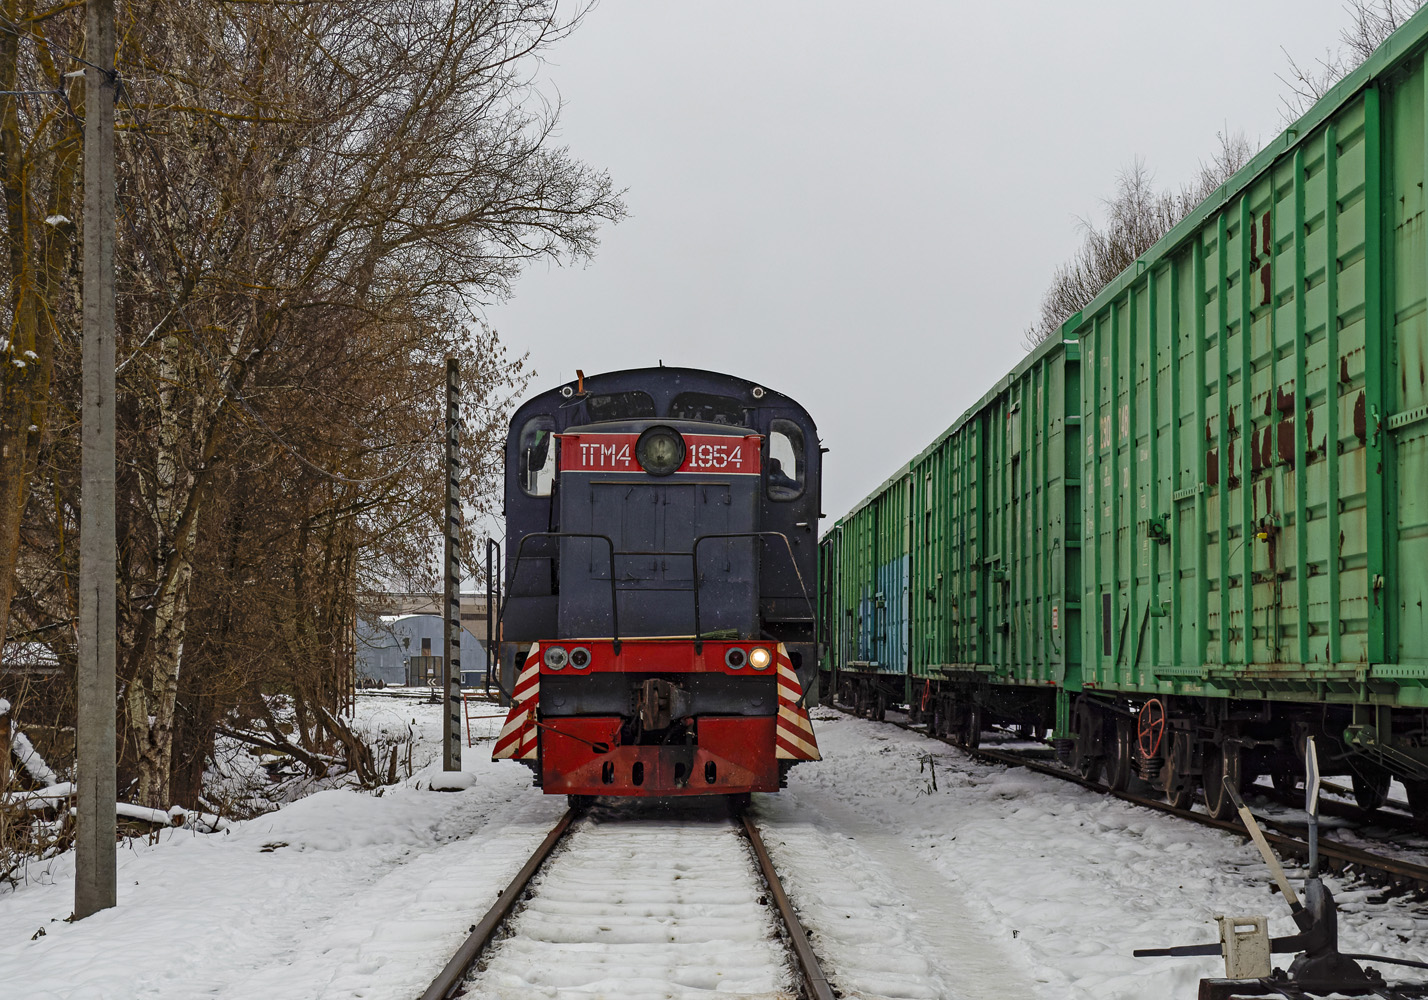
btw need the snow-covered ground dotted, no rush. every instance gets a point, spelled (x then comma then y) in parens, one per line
(997, 883)
(645, 902)
(1003, 882)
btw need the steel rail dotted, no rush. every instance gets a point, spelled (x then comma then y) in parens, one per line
(445, 985)
(813, 978)
(1393, 871)
(1397, 870)
(452, 976)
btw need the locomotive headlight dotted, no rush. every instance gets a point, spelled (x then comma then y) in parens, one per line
(735, 658)
(760, 659)
(660, 451)
(556, 657)
(580, 657)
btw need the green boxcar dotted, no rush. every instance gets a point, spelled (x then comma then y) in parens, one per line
(983, 573)
(1210, 497)
(865, 583)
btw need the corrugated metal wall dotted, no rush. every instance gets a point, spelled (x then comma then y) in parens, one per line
(1223, 489)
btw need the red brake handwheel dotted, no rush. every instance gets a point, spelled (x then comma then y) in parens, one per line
(1150, 727)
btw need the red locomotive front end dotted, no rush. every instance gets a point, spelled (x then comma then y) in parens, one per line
(697, 752)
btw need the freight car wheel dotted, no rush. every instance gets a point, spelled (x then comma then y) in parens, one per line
(968, 731)
(1120, 762)
(1284, 780)
(1092, 767)
(937, 718)
(1221, 764)
(1179, 790)
(1085, 760)
(1371, 789)
(1177, 784)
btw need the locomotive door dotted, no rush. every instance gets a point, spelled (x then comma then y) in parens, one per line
(653, 528)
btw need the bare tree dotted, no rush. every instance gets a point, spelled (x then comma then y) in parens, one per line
(1371, 22)
(1136, 218)
(313, 200)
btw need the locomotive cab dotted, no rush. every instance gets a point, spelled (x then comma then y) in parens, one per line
(658, 630)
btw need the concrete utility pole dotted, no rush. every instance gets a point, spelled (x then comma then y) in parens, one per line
(451, 621)
(94, 884)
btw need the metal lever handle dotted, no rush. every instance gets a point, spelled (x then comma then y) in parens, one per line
(1247, 818)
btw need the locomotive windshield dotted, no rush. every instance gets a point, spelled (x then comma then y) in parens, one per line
(631, 405)
(785, 476)
(708, 407)
(538, 456)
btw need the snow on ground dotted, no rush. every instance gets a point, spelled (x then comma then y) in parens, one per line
(646, 901)
(340, 894)
(997, 883)
(1007, 883)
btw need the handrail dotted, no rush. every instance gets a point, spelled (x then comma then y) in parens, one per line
(493, 614)
(698, 632)
(614, 597)
(694, 556)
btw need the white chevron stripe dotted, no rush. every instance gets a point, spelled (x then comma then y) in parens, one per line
(803, 745)
(796, 719)
(513, 723)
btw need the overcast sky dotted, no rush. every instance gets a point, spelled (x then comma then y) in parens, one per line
(860, 204)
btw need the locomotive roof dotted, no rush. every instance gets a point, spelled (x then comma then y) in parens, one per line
(662, 382)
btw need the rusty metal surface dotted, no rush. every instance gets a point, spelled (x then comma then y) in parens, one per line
(451, 977)
(813, 978)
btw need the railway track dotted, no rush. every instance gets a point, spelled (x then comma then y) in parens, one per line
(635, 901)
(1392, 873)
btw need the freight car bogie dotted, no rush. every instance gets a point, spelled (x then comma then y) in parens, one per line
(1188, 749)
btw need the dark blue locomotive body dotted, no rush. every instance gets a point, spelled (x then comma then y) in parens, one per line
(658, 636)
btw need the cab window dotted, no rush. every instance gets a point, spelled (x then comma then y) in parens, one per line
(537, 458)
(632, 405)
(708, 407)
(785, 472)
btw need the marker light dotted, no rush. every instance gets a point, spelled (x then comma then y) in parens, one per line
(735, 658)
(759, 658)
(556, 657)
(580, 657)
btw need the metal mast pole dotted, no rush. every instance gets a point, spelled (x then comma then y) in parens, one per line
(451, 621)
(94, 884)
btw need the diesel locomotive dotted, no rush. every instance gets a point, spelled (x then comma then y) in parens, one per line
(658, 633)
